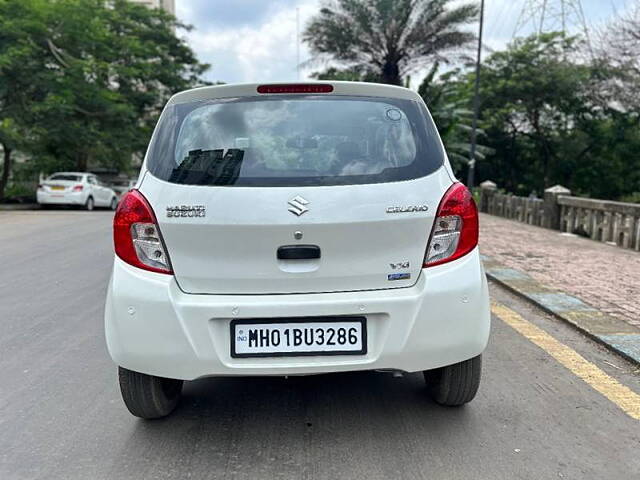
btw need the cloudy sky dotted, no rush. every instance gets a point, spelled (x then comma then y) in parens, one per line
(255, 40)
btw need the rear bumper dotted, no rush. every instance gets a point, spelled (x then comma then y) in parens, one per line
(65, 198)
(153, 327)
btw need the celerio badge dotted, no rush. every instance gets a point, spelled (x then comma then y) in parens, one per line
(408, 209)
(297, 205)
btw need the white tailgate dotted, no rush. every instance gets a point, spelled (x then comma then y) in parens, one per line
(233, 248)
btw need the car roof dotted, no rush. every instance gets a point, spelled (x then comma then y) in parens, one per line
(251, 89)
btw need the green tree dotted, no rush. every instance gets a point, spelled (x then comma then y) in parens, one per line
(543, 116)
(104, 69)
(345, 75)
(22, 76)
(534, 93)
(389, 39)
(118, 65)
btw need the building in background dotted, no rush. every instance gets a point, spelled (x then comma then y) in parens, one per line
(168, 5)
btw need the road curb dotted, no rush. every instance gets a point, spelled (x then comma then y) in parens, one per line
(615, 334)
(19, 206)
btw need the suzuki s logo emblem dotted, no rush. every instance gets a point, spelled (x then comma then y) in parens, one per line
(297, 205)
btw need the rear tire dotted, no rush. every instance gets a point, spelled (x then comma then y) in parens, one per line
(89, 205)
(148, 396)
(456, 384)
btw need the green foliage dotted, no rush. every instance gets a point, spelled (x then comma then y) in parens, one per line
(449, 107)
(631, 198)
(83, 81)
(546, 124)
(388, 39)
(21, 192)
(346, 75)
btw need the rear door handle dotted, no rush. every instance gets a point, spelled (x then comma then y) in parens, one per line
(298, 252)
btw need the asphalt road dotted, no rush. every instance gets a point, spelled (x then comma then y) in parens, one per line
(61, 416)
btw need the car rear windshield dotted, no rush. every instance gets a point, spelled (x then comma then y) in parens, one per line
(294, 141)
(66, 176)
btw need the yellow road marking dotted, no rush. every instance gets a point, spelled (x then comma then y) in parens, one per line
(621, 395)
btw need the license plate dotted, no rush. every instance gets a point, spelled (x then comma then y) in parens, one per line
(293, 337)
(57, 187)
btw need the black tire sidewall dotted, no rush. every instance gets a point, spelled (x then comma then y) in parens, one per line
(148, 396)
(456, 384)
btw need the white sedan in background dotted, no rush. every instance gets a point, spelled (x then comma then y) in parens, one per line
(76, 188)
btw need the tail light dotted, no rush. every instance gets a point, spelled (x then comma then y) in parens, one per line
(455, 229)
(77, 188)
(136, 235)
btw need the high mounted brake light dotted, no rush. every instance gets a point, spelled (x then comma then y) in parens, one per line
(136, 236)
(296, 88)
(455, 229)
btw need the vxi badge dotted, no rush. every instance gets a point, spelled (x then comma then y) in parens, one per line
(186, 211)
(408, 209)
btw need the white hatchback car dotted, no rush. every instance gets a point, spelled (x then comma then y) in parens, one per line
(294, 230)
(75, 189)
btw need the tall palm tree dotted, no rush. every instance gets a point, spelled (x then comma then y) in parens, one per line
(389, 38)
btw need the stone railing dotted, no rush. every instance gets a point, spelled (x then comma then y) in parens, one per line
(522, 209)
(605, 221)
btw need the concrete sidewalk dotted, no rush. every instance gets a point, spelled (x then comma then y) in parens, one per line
(606, 277)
